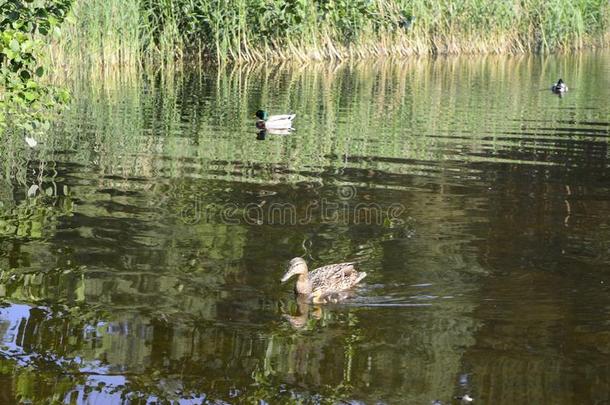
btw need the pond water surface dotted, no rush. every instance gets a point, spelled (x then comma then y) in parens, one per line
(143, 240)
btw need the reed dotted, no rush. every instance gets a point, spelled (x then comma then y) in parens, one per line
(131, 32)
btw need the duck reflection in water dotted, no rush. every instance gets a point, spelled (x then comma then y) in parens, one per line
(308, 308)
(260, 125)
(262, 134)
(301, 315)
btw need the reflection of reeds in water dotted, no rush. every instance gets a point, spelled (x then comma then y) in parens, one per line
(387, 115)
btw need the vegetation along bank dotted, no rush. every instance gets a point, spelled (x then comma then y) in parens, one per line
(131, 32)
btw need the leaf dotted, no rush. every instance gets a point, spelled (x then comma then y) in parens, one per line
(14, 45)
(63, 96)
(39, 71)
(30, 96)
(27, 45)
(9, 53)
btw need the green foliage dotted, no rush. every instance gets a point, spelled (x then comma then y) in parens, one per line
(129, 32)
(25, 103)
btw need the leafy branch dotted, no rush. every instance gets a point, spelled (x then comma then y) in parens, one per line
(25, 102)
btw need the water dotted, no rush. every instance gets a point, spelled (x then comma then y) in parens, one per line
(145, 265)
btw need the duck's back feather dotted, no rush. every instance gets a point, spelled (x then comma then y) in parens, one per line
(335, 277)
(282, 117)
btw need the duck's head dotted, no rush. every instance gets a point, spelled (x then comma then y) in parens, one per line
(262, 115)
(559, 82)
(296, 266)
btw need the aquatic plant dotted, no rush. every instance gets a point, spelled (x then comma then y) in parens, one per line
(130, 32)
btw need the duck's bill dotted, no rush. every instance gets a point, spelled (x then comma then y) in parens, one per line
(286, 277)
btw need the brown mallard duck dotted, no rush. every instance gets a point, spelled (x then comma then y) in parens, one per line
(324, 283)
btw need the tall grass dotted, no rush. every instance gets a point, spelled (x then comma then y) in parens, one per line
(101, 32)
(104, 32)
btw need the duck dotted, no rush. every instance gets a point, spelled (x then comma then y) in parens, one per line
(324, 284)
(559, 87)
(266, 121)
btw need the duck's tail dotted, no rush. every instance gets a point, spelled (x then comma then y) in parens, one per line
(360, 277)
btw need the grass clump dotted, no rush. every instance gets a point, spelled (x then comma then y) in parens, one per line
(131, 31)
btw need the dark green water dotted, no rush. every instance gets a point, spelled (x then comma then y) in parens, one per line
(145, 265)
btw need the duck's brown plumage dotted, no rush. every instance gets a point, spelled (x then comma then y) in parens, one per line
(335, 277)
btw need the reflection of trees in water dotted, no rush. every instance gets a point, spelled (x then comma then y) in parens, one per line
(334, 357)
(544, 339)
(32, 205)
(189, 306)
(154, 354)
(192, 304)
